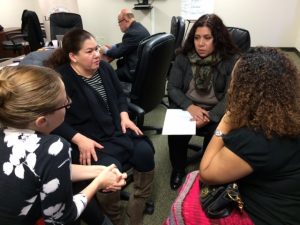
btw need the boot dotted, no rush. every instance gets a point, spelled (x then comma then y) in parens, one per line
(142, 190)
(110, 204)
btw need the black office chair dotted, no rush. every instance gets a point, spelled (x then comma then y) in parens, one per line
(62, 22)
(177, 29)
(240, 37)
(242, 40)
(29, 38)
(148, 89)
(15, 43)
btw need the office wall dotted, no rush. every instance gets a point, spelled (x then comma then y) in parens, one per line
(11, 11)
(297, 44)
(100, 16)
(270, 22)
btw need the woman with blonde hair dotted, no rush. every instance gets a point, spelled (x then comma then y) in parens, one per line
(36, 170)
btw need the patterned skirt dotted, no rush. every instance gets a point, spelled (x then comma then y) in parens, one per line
(187, 210)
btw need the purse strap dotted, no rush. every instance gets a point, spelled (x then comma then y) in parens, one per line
(234, 194)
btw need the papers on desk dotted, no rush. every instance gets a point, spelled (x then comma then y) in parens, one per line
(178, 122)
(13, 64)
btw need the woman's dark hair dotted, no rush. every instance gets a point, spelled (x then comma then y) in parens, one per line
(222, 41)
(263, 93)
(72, 42)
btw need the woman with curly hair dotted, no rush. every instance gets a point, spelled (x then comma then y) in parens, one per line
(257, 142)
(198, 83)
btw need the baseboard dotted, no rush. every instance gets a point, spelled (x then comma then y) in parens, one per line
(291, 49)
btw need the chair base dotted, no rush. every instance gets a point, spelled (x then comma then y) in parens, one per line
(196, 156)
(149, 207)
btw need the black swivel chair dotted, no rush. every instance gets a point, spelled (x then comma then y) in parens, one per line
(148, 89)
(177, 29)
(62, 22)
(30, 35)
(241, 38)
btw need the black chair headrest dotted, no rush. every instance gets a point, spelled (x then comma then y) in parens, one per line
(240, 37)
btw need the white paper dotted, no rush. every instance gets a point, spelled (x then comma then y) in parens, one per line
(14, 64)
(178, 122)
(193, 9)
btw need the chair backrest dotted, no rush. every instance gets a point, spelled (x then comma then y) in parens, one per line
(177, 29)
(154, 57)
(32, 29)
(240, 37)
(62, 22)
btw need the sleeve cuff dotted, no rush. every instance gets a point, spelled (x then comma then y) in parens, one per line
(80, 201)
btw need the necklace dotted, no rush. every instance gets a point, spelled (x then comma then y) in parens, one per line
(88, 76)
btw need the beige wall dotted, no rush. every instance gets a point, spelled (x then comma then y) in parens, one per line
(101, 16)
(297, 44)
(11, 11)
(270, 22)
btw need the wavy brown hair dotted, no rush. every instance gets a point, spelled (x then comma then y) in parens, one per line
(263, 93)
(222, 40)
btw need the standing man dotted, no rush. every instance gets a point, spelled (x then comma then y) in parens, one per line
(126, 51)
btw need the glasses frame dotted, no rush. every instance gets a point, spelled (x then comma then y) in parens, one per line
(66, 106)
(120, 21)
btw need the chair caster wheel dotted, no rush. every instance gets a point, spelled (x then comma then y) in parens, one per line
(149, 208)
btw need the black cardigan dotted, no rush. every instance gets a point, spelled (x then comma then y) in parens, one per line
(88, 114)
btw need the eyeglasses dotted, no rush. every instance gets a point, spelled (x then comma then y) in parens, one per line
(120, 21)
(66, 106)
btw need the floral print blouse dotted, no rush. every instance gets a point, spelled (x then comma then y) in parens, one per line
(35, 179)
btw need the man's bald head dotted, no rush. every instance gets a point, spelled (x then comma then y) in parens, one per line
(125, 19)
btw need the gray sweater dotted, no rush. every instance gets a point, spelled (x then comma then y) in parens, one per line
(181, 76)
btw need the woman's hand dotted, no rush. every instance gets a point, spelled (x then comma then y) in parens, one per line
(87, 148)
(127, 123)
(111, 179)
(200, 115)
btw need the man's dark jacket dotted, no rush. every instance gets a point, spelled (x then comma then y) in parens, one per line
(127, 50)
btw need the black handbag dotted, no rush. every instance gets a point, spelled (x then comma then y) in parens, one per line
(218, 200)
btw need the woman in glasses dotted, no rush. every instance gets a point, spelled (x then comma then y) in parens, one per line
(35, 175)
(98, 124)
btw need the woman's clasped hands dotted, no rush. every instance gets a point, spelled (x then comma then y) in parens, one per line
(111, 179)
(201, 116)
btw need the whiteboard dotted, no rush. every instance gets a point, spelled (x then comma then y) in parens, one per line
(193, 9)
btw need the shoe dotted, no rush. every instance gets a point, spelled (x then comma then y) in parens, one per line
(176, 179)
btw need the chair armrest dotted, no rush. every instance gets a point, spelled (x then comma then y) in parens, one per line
(138, 113)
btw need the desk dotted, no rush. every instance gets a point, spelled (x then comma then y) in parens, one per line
(5, 53)
(11, 61)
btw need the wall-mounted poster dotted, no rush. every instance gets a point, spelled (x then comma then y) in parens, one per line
(193, 9)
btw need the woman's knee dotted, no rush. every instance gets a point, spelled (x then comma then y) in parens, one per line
(143, 157)
(106, 160)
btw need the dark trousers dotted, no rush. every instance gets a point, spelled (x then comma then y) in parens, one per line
(178, 145)
(141, 157)
(123, 72)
